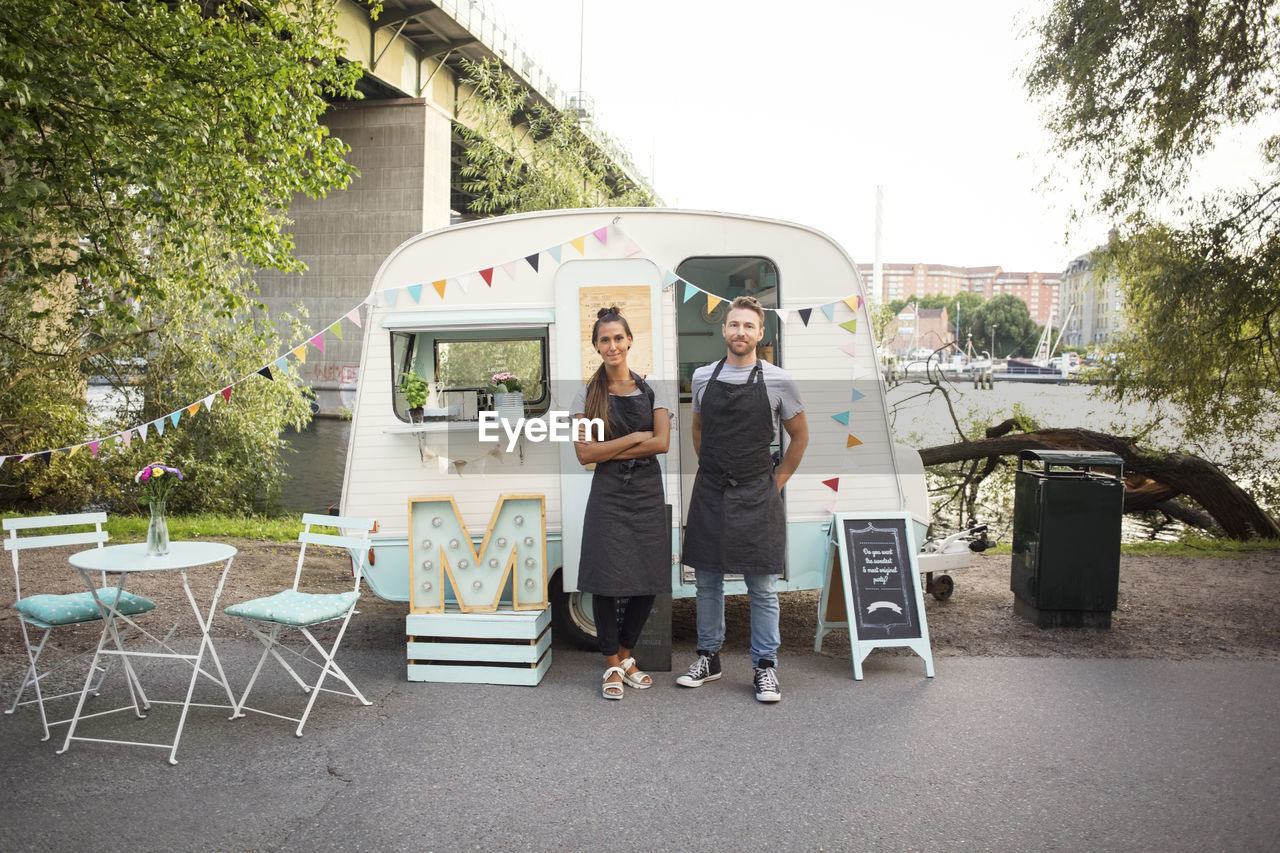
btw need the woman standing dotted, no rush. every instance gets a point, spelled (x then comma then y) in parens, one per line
(626, 545)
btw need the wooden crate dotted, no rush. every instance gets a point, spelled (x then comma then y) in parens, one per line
(503, 647)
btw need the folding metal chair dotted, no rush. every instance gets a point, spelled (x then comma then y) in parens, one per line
(292, 608)
(49, 611)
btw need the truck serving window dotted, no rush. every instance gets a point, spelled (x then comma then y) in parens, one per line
(464, 362)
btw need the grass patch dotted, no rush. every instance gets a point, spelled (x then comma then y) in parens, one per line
(284, 528)
(1198, 546)
(133, 528)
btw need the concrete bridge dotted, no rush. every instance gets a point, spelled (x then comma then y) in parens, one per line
(404, 141)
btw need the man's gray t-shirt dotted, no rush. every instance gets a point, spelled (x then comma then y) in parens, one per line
(580, 399)
(784, 395)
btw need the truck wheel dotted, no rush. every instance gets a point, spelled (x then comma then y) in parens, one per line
(571, 615)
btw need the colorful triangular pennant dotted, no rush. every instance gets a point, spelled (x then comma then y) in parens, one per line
(833, 484)
(853, 441)
(533, 260)
(602, 234)
(554, 252)
(850, 325)
(842, 417)
(487, 275)
(830, 310)
(579, 243)
(354, 316)
(415, 290)
(804, 314)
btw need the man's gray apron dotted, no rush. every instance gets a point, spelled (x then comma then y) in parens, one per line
(736, 519)
(626, 544)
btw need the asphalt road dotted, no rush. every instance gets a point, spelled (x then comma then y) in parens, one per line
(991, 754)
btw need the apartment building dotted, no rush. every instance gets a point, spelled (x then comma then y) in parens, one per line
(1092, 306)
(1038, 289)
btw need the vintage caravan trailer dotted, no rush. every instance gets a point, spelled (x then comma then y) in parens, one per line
(519, 294)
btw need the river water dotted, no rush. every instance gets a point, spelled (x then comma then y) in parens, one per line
(316, 466)
(925, 421)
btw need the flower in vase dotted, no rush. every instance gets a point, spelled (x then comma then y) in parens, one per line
(156, 480)
(507, 383)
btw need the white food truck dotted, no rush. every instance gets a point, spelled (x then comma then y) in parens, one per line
(519, 294)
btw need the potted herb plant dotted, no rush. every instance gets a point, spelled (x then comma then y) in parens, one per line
(414, 389)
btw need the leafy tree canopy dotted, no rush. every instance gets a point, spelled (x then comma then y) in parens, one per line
(148, 151)
(523, 156)
(1010, 319)
(1134, 93)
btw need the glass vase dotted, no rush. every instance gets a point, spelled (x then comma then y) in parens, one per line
(157, 531)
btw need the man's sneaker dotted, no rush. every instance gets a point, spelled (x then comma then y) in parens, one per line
(767, 689)
(705, 668)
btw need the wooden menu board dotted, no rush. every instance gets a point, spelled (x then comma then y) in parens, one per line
(634, 303)
(872, 587)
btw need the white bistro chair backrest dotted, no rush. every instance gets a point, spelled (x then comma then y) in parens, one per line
(357, 545)
(15, 544)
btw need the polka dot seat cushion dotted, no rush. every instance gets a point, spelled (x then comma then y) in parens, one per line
(50, 610)
(295, 608)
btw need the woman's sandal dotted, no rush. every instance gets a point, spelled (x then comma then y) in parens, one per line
(633, 676)
(612, 689)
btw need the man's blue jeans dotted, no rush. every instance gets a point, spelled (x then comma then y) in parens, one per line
(765, 634)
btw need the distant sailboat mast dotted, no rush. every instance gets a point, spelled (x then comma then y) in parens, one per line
(877, 269)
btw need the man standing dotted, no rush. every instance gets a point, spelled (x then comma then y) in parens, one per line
(736, 519)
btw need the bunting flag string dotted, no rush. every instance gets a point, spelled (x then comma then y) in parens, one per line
(126, 436)
(390, 296)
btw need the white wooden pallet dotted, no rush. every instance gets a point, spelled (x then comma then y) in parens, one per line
(503, 647)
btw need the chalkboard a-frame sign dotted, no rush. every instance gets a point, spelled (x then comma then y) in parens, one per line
(871, 573)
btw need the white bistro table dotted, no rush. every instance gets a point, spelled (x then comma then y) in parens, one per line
(131, 559)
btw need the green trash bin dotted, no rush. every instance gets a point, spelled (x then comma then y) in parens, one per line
(1067, 508)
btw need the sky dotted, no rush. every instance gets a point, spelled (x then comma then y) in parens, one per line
(800, 110)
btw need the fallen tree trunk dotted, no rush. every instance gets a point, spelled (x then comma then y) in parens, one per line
(1151, 478)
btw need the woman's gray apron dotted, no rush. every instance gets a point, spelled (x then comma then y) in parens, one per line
(626, 544)
(736, 519)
